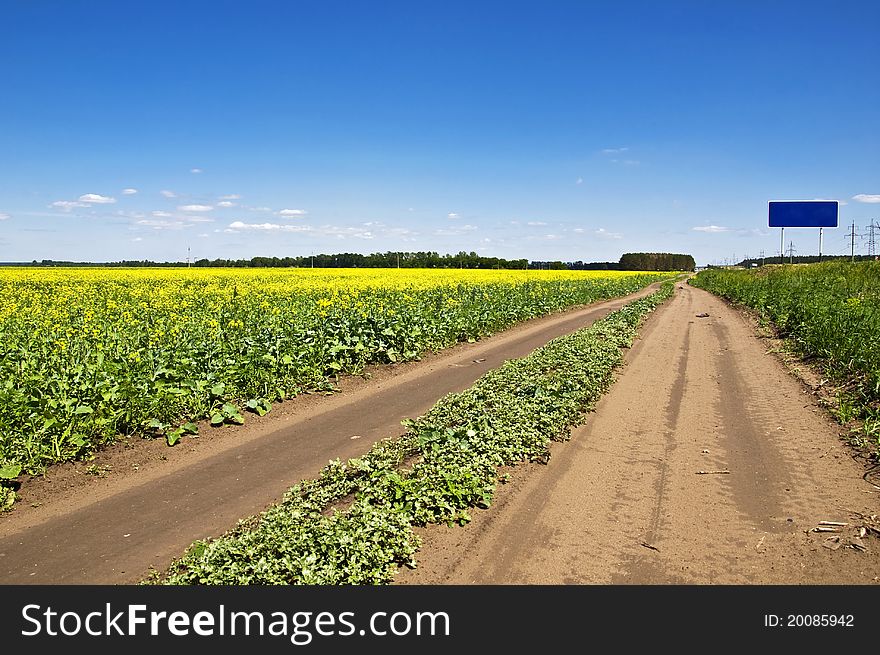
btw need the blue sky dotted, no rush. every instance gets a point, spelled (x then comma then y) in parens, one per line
(543, 130)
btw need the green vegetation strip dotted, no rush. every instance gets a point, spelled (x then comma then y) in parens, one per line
(353, 524)
(828, 312)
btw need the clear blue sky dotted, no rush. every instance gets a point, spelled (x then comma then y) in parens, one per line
(544, 130)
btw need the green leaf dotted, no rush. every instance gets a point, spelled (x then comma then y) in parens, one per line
(83, 409)
(218, 389)
(217, 419)
(174, 436)
(190, 428)
(9, 471)
(7, 498)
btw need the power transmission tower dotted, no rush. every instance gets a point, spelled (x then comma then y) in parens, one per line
(762, 258)
(791, 251)
(871, 227)
(852, 244)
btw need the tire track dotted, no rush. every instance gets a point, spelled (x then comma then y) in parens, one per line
(637, 496)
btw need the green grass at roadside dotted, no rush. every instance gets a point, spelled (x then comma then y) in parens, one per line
(828, 313)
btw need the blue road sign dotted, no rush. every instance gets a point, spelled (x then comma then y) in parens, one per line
(803, 213)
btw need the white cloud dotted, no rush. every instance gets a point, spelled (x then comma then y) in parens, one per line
(231, 196)
(198, 219)
(455, 231)
(536, 223)
(4, 216)
(613, 151)
(292, 212)
(204, 235)
(605, 234)
(96, 199)
(138, 239)
(161, 225)
(168, 194)
(579, 230)
(267, 227)
(451, 215)
(225, 203)
(129, 192)
(195, 208)
(160, 214)
(712, 229)
(67, 205)
(195, 170)
(130, 214)
(866, 197)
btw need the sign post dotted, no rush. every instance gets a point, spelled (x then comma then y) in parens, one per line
(803, 213)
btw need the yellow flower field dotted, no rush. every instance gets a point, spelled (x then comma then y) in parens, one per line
(89, 354)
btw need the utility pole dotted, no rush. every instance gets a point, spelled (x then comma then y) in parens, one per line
(791, 252)
(762, 258)
(188, 259)
(852, 244)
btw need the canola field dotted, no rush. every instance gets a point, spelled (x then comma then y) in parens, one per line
(91, 354)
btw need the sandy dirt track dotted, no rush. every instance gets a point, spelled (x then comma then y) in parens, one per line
(625, 502)
(140, 504)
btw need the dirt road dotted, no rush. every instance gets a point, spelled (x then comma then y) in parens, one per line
(139, 505)
(707, 462)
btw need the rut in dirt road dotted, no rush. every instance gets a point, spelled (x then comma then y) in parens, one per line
(143, 522)
(705, 463)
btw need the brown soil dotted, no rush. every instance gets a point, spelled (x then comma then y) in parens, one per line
(707, 462)
(138, 504)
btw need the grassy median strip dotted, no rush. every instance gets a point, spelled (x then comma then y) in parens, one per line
(353, 524)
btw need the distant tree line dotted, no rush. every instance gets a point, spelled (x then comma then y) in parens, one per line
(656, 261)
(628, 262)
(798, 259)
(376, 260)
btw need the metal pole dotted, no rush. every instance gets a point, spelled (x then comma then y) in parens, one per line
(820, 244)
(781, 244)
(852, 243)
